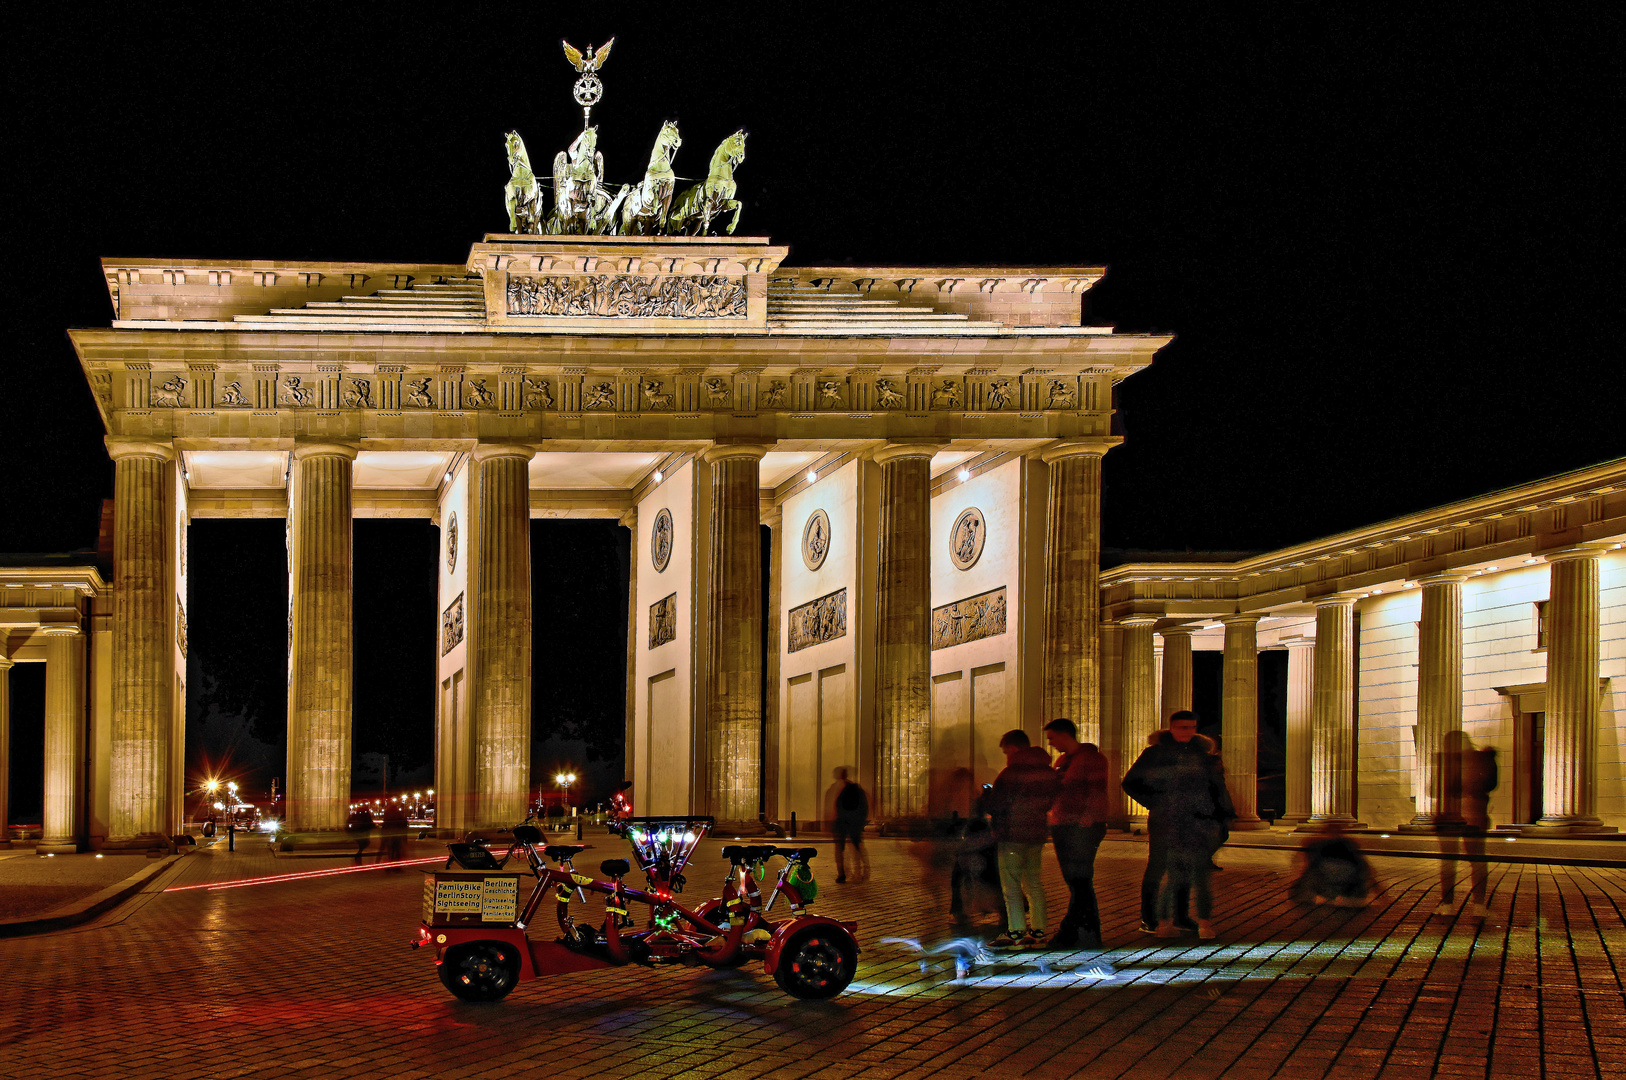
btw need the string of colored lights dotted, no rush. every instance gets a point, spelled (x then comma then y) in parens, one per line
(303, 874)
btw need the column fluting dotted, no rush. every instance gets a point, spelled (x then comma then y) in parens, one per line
(1439, 693)
(322, 626)
(903, 727)
(1139, 696)
(143, 671)
(1299, 758)
(5, 747)
(734, 657)
(1072, 601)
(1570, 761)
(500, 632)
(1239, 718)
(1176, 678)
(1332, 772)
(64, 738)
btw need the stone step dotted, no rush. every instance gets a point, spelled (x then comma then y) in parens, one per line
(301, 317)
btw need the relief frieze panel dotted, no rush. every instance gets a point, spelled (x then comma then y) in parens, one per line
(818, 621)
(628, 296)
(451, 626)
(663, 621)
(971, 619)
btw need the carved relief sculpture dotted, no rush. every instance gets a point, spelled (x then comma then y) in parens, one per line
(654, 400)
(830, 395)
(966, 538)
(451, 626)
(537, 394)
(718, 393)
(1063, 394)
(1000, 394)
(663, 621)
(171, 395)
(293, 393)
(451, 542)
(887, 394)
(232, 396)
(478, 397)
(358, 396)
(628, 296)
(418, 393)
(180, 625)
(773, 395)
(971, 619)
(946, 396)
(816, 539)
(818, 621)
(660, 540)
(599, 396)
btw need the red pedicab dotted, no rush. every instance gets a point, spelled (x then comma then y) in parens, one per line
(473, 918)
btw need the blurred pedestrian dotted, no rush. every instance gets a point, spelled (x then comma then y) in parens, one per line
(1181, 783)
(360, 827)
(392, 845)
(1078, 824)
(1466, 777)
(1333, 870)
(1018, 809)
(849, 815)
(974, 881)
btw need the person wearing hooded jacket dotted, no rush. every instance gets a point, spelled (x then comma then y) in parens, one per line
(1019, 805)
(1181, 782)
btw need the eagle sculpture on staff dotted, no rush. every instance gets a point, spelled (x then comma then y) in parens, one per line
(588, 88)
(583, 64)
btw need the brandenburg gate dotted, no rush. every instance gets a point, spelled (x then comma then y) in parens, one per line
(925, 444)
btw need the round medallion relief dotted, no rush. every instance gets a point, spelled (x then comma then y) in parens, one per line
(966, 538)
(660, 540)
(816, 539)
(451, 542)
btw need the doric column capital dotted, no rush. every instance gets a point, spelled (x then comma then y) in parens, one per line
(1579, 551)
(1242, 618)
(119, 448)
(6, 662)
(309, 448)
(897, 451)
(1135, 621)
(486, 450)
(1094, 445)
(1334, 601)
(1177, 631)
(60, 630)
(724, 451)
(1443, 579)
(1301, 642)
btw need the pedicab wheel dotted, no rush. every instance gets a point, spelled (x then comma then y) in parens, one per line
(480, 971)
(816, 963)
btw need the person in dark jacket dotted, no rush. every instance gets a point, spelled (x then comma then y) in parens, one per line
(1020, 806)
(1181, 783)
(1078, 824)
(849, 815)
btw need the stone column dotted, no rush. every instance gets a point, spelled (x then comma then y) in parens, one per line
(1439, 692)
(1300, 693)
(734, 712)
(1072, 599)
(1332, 718)
(322, 660)
(903, 655)
(5, 746)
(1176, 676)
(64, 738)
(143, 667)
(500, 632)
(629, 755)
(1239, 719)
(1570, 766)
(1112, 719)
(770, 711)
(1139, 697)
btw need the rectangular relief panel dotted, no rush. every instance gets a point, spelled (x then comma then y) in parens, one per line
(950, 784)
(802, 749)
(971, 619)
(818, 621)
(668, 750)
(991, 717)
(451, 625)
(663, 621)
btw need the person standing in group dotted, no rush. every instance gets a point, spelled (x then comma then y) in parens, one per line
(1181, 783)
(1078, 824)
(1020, 805)
(848, 817)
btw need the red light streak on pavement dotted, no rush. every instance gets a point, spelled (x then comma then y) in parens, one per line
(275, 878)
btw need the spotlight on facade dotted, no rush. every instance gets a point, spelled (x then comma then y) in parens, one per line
(965, 474)
(657, 476)
(812, 476)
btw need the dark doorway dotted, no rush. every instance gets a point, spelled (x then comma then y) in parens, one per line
(397, 625)
(27, 759)
(1529, 759)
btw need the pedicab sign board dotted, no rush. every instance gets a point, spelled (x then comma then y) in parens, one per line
(470, 897)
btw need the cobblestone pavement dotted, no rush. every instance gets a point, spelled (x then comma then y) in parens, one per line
(312, 978)
(33, 884)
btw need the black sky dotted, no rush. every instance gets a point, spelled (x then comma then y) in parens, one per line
(1388, 242)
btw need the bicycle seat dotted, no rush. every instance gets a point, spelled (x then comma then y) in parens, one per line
(527, 834)
(473, 857)
(615, 868)
(792, 853)
(561, 852)
(739, 853)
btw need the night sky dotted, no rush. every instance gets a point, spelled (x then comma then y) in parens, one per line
(1388, 244)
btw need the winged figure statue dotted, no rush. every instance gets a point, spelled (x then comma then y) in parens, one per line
(591, 61)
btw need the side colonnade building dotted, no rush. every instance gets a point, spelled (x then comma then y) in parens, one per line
(1501, 617)
(926, 445)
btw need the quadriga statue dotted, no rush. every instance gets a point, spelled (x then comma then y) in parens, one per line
(581, 205)
(645, 205)
(524, 196)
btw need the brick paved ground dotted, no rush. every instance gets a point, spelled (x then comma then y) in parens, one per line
(31, 884)
(312, 979)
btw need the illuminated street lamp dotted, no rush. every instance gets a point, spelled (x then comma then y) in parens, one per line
(564, 780)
